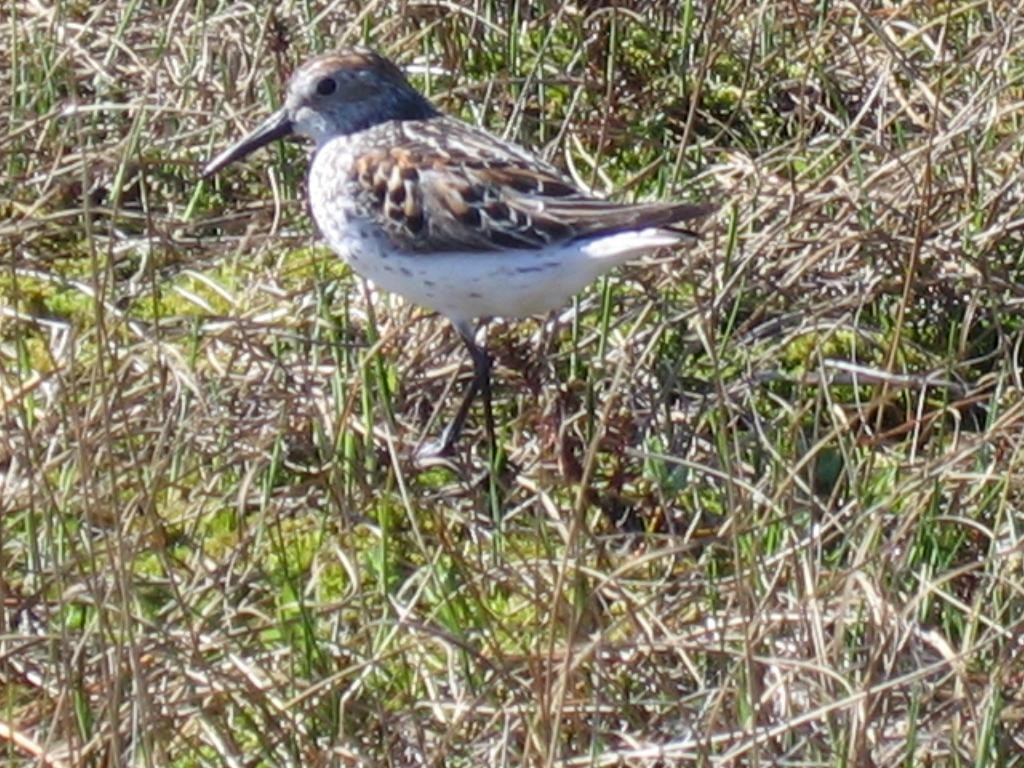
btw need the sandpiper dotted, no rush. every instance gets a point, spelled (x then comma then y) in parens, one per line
(445, 214)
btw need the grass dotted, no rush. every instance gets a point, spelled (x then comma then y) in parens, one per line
(759, 502)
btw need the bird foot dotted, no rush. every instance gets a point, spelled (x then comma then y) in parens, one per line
(438, 448)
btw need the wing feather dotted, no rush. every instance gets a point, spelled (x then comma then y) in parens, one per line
(442, 185)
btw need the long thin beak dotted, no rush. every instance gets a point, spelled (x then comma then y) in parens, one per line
(275, 127)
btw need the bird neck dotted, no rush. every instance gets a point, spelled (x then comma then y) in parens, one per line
(390, 105)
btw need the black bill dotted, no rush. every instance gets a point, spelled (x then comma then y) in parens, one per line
(275, 127)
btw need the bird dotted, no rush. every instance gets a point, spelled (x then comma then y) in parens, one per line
(444, 213)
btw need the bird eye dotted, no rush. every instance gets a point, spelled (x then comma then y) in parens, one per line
(326, 87)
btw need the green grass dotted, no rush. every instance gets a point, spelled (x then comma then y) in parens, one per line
(758, 502)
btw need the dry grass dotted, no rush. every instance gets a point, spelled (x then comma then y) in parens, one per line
(760, 503)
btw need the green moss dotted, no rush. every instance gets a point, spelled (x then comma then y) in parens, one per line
(806, 350)
(52, 296)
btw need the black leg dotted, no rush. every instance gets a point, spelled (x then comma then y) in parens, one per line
(482, 378)
(481, 383)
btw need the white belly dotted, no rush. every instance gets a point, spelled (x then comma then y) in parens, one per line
(464, 285)
(471, 284)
